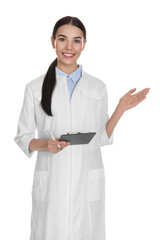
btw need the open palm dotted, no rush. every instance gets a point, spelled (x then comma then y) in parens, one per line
(128, 101)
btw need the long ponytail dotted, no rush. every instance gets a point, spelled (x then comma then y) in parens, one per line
(47, 88)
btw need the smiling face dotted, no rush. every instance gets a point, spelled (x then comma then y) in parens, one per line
(68, 43)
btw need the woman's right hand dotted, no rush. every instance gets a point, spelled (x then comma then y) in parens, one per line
(52, 145)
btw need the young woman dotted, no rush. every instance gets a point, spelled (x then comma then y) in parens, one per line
(68, 193)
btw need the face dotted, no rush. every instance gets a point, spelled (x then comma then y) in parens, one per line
(68, 44)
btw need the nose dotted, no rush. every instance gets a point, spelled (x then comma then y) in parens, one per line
(69, 45)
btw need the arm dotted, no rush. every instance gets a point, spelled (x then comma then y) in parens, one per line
(26, 123)
(25, 137)
(38, 144)
(126, 102)
(113, 120)
(47, 145)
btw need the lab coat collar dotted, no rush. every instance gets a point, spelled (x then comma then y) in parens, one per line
(74, 76)
(62, 81)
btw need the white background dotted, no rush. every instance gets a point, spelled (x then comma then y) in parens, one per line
(124, 49)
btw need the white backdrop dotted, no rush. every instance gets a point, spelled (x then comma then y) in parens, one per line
(124, 49)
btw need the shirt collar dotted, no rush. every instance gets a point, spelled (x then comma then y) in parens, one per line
(74, 75)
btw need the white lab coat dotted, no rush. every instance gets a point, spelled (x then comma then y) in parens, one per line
(68, 192)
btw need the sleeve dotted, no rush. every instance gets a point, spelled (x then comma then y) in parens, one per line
(26, 123)
(104, 139)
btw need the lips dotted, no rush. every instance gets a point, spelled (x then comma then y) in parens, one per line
(70, 54)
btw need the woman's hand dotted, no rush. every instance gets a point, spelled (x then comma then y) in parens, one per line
(126, 102)
(52, 145)
(129, 101)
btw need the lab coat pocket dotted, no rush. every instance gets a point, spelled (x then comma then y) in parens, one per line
(40, 185)
(96, 184)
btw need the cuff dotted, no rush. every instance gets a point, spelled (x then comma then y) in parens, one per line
(23, 143)
(104, 138)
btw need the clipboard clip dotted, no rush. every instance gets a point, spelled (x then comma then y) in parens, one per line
(77, 133)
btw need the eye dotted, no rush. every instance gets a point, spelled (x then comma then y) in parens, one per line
(77, 41)
(62, 39)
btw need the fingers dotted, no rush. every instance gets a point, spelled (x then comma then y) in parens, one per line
(143, 91)
(140, 95)
(141, 100)
(52, 145)
(131, 91)
(63, 144)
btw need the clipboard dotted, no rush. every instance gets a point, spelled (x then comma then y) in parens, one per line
(77, 138)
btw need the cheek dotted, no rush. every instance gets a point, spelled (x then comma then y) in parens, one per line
(78, 49)
(58, 52)
(59, 46)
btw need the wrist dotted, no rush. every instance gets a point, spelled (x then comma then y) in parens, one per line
(120, 109)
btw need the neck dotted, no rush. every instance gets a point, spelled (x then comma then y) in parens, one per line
(68, 69)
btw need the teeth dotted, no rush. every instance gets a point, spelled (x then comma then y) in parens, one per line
(68, 54)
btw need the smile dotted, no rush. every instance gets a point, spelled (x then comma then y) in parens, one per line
(68, 54)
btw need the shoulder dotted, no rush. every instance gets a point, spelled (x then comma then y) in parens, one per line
(93, 81)
(36, 84)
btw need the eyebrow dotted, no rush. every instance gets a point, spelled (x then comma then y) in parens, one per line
(61, 35)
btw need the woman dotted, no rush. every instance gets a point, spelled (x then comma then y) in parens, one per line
(68, 193)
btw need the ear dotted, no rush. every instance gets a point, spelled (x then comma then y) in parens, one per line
(84, 45)
(52, 42)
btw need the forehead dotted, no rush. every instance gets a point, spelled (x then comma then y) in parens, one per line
(69, 31)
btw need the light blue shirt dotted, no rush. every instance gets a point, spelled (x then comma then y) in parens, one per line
(72, 79)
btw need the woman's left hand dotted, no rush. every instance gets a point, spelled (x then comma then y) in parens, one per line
(129, 101)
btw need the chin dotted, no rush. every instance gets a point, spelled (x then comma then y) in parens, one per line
(67, 61)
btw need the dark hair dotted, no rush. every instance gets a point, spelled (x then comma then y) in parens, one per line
(50, 77)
